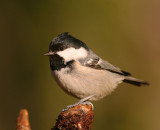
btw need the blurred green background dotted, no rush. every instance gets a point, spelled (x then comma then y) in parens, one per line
(126, 33)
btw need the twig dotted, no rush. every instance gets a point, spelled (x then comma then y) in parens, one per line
(79, 117)
(23, 120)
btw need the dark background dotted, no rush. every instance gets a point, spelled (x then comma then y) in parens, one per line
(126, 33)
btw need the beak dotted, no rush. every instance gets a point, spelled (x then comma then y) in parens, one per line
(49, 53)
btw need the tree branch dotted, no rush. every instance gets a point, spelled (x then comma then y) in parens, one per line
(23, 120)
(79, 117)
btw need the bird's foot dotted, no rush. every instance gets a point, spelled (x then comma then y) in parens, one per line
(82, 101)
(88, 103)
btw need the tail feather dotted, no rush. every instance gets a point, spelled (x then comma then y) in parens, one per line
(135, 81)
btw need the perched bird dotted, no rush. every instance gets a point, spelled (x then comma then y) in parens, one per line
(83, 74)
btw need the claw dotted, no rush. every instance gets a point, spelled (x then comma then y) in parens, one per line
(88, 103)
(82, 101)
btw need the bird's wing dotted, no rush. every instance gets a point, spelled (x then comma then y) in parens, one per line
(98, 63)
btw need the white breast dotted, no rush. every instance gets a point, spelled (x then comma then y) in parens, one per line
(84, 81)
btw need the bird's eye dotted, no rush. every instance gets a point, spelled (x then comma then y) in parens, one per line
(61, 48)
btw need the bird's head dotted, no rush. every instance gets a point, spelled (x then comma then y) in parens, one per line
(67, 47)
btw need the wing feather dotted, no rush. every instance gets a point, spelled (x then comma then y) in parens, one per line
(98, 63)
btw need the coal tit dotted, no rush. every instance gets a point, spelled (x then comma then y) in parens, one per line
(81, 73)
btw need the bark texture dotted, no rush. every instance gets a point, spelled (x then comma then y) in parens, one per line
(79, 117)
(23, 120)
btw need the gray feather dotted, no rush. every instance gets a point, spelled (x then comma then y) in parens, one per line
(134, 81)
(96, 62)
(112, 68)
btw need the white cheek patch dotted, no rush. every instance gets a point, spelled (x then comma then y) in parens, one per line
(73, 54)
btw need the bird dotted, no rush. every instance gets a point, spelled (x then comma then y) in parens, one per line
(83, 74)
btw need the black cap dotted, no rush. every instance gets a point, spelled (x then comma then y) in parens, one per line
(64, 41)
